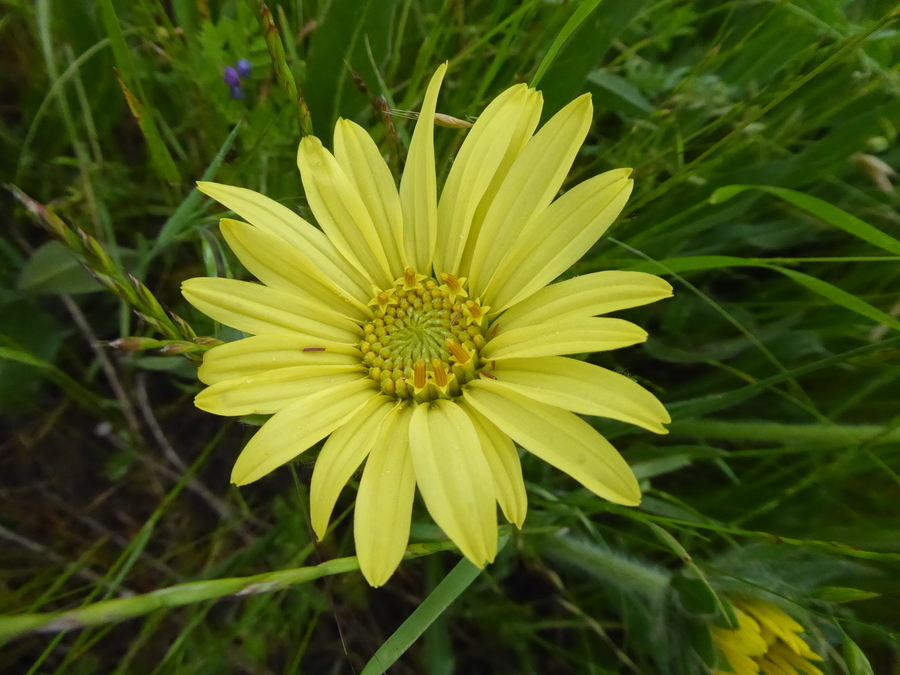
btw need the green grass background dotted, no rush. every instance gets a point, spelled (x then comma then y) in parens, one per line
(778, 356)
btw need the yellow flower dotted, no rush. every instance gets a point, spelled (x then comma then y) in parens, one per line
(421, 333)
(767, 641)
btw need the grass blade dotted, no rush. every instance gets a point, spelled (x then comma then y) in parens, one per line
(830, 291)
(450, 588)
(134, 94)
(177, 222)
(820, 208)
(577, 18)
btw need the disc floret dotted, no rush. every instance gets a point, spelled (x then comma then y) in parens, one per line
(425, 338)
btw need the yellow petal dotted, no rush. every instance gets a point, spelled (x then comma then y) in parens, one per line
(528, 189)
(341, 456)
(559, 438)
(739, 662)
(272, 391)
(359, 157)
(799, 662)
(778, 654)
(454, 478)
(572, 336)
(418, 187)
(776, 620)
(558, 237)
(278, 265)
(272, 217)
(384, 502)
(583, 388)
(521, 134)
(506, 469)
(475, 166)
(585, 296)
(257, 309)
(299, 426)
(254, 355)
(341, 212)
(773, 666)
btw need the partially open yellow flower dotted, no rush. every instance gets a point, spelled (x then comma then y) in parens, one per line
(421, 333)
(767, 641)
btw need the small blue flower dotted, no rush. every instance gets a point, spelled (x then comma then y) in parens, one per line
(236, 92)
(231, 77)
(243, 67)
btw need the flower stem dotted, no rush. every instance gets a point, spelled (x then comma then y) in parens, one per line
(121, 609)
(282, 69)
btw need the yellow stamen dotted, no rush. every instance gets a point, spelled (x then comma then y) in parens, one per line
(419, 375)
(474, 312)
(440, 375)
(383, 299)
(410, 279)
(454, 286)
(458, 351)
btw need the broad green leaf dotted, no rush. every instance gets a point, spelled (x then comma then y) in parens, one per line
(695, 594)
(338, 44)
(619, 88)
(53, 268)
(695, 590)
(857, 661)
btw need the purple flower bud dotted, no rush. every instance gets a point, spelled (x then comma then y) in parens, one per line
(231, 76)
(243, 67)
(236, 92)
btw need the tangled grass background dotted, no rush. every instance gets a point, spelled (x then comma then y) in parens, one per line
(778, 357)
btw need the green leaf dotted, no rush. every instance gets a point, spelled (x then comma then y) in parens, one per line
(338, 44)
(620, 88)
(450, 588)
(705, 599)
(822, 209)
(53, 268)
(702, 642)
(843, 594)
(856, 660)
(695, 594)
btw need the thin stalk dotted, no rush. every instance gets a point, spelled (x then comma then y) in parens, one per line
(122, 609)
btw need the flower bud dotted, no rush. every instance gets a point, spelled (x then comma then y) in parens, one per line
(231, 77)
(243, 68)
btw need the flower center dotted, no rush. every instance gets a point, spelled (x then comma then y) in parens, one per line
(424, 341)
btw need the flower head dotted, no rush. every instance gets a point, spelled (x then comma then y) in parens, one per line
(419, 334)
(766, 641)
